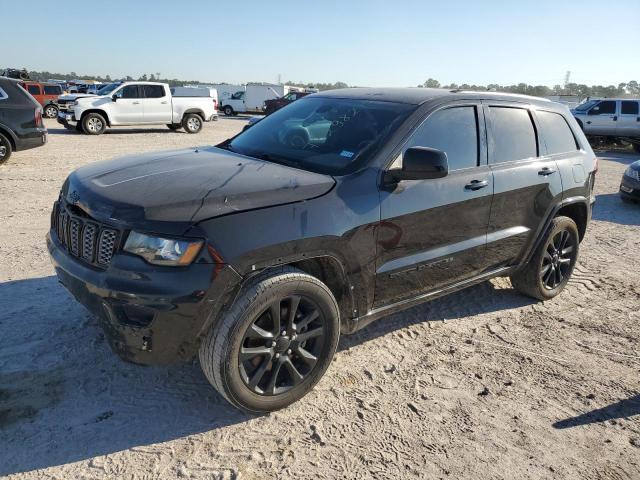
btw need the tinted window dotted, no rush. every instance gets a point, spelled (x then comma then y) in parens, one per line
(52, 90)
(455, 132)
(322, 134)
(153, 91)
(556, 133)
(629, 108)
(514, 137)
(33, 89)
(130, 91)
(604, 108)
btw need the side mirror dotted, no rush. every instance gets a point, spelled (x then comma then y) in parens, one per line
(420, 163)
(114, 97)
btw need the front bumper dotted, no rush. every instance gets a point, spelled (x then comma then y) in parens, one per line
(150, 314)
(630, 188)
(67, 119)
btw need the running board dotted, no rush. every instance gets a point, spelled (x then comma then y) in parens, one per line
(379, 312)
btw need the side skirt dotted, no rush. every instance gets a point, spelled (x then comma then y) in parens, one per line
(379, 312)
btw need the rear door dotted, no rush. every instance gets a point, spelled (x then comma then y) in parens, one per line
(602, 118)
(157, 104)
(526, 182)
(433, 232)
(628, 124)
(128, 108)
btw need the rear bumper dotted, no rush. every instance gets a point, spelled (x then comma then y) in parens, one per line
(35, 139)
(630, 188)
(150, 315)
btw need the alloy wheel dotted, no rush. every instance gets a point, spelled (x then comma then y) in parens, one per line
(281, 346)
(51, 112)
(193, 124)
(557, 259)
(3, 151)
(94, 125)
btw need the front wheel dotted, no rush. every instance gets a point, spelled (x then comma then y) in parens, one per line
(550, 268)
(5, 149)
(51, 111)
(192, 123)
(274, 343)
(94, 124)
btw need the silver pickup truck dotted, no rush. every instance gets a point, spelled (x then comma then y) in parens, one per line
(611, 117)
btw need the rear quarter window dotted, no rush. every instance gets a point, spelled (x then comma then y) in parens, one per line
(556, 133)
(513, 134)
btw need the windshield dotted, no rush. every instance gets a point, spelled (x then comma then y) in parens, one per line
(586, 105)
(107, 89)
(324, 135)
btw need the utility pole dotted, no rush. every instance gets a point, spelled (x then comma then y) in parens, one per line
(567, 76)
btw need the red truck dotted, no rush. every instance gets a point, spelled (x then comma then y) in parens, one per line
(46, 94)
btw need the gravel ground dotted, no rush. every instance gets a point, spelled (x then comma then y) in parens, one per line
(484, 383)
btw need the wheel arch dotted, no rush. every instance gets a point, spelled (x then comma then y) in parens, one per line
(98, 111)
(9, 134)
(197, 111)
(577, 211)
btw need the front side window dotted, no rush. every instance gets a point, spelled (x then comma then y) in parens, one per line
(52, 90)
(325, 135)
(556, 133)
(33, 89)
(607, 107)
(513, 134)
(130, 91)
(237, 96)
(153, 91)
(453, 131)
(107, 89)
(629, 107)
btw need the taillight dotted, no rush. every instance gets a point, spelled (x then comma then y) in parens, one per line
(38, 117)
(215, 104)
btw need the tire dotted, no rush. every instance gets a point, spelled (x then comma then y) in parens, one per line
(550, 268)
(228, 110)
(192, 123)
(50, 111)
(248, 323)
(5, 149)
(174, 126)
(94, 124)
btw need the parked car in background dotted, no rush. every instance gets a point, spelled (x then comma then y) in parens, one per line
(66, 102)
(342, 208)
(251, 98)
(615, 118)
(139, 103)
(274, 104)
(93, 89)
(630, 184)
(21, 124)
(46, 94)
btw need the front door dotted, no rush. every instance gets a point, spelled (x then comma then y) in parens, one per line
(433, 232)
(629, 119)
(128, 108)
(602, 118)
(526, 182)
(157, 104)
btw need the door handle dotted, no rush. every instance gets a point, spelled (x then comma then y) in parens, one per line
(163, 103)
(476, 184)
(589, 122)
(135, 103)
(546, 171)
(615, 118)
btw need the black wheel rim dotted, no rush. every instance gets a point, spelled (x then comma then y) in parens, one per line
(558, 259)
(3, 151)
(282, 346)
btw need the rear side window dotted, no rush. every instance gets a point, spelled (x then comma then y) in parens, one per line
(153, 91)
(556, 133)
(513, 134)
(604, 108)
(33, 89)
(455, 132)
(629, 108)
(52, 90)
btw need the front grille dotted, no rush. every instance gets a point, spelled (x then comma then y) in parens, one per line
(88, 240)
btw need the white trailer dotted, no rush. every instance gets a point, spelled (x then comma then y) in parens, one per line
(250, 98)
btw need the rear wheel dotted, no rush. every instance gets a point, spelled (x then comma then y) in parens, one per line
(51, 111)
(550, 268)
(174, 126)
(94, 124)
(274, 343)
(192, 123)
(5, 149)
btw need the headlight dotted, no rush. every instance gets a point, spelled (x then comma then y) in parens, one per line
(163, 251)
(633, 173)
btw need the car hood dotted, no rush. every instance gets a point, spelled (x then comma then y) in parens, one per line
(75, 96)
(187, 186)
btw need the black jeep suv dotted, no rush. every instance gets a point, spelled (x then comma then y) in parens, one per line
(334, 211)
(21, 124)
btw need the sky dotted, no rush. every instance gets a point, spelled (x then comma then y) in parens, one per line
(366, 43)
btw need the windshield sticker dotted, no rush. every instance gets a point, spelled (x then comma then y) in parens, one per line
(346, 153)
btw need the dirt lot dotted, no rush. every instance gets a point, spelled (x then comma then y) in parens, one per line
(481, 384)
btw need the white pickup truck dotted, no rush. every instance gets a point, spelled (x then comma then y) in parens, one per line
(139, 103)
